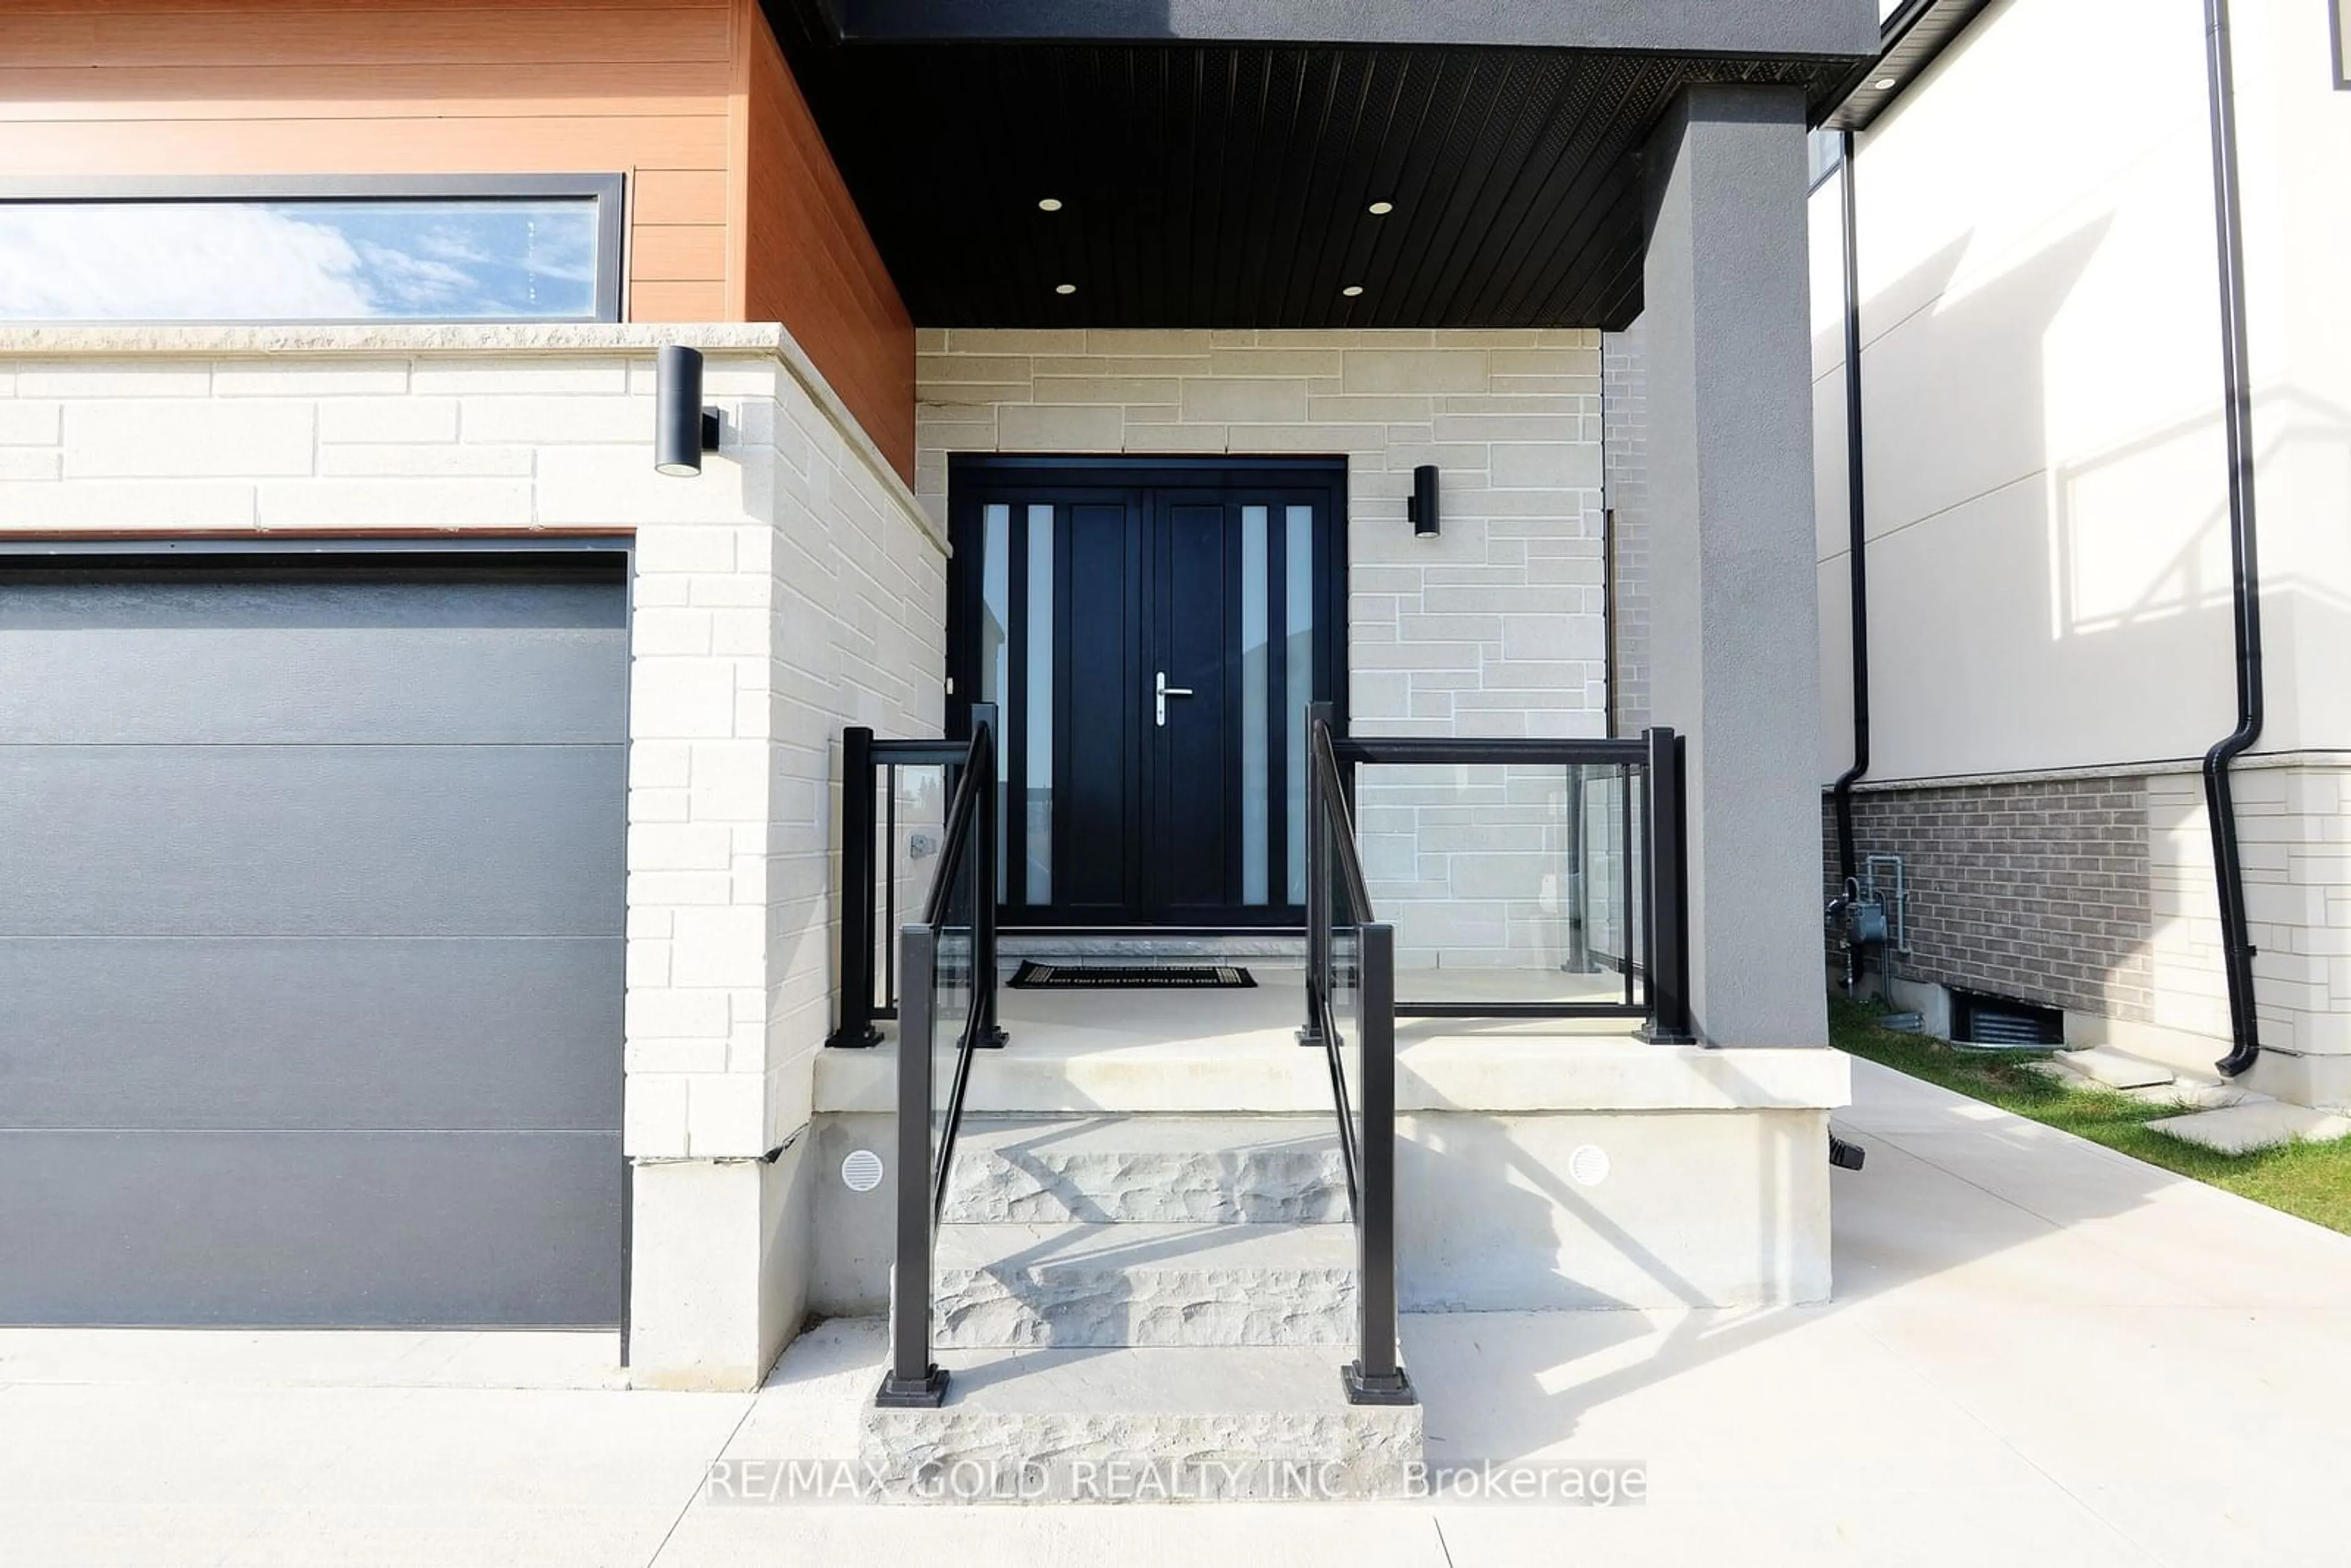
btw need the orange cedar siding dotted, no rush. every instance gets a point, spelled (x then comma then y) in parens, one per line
(176, 87)
(806, 258)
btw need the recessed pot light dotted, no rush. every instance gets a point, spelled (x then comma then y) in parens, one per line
(1065, 289)
(1352, 290)
(1050, 204)
(1884, 84)
(1382, 209)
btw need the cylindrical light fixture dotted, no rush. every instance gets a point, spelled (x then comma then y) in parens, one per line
(682, 429)
(1422, 507)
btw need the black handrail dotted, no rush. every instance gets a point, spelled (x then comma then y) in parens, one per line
(914, 1381)
(1330, 834)
(1376, 1377)
(971, 815)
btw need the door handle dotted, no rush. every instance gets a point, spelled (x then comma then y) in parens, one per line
(1164, 692)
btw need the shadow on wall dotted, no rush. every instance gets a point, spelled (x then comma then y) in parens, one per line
(2037, 602)
(2046, 594)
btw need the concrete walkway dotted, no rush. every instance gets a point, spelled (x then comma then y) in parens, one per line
(2040, 1352)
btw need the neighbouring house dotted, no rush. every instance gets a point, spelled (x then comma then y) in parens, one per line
(1177, 530)
(2097, 414)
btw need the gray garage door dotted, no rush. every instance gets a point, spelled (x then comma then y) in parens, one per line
(310, 943)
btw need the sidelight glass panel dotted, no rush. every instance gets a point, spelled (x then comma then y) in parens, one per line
(996, 653)
(1036, 713)
(1256, 705)
(1298, 580)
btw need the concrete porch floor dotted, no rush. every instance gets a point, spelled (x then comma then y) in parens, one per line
(2041, 1351)
(1220, 1051)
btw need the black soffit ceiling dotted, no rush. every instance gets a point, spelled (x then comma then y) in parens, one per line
(1223, 185)
(1915, 36)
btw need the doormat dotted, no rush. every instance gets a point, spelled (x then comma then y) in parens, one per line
(1036, 977)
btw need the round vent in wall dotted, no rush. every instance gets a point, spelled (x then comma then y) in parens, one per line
(862, 1171)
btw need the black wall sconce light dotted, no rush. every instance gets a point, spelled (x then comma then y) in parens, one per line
(1422, 507)
(682, 429)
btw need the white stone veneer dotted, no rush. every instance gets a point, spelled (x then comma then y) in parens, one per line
(792, 590)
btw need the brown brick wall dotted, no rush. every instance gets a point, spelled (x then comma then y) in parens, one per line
(2037, 889)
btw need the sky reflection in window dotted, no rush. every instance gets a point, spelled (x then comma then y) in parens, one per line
(299, 260)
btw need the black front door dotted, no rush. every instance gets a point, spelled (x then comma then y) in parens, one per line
(1152, 638)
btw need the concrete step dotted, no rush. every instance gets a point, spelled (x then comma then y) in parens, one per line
(1049, 1425)
(1149, 1169)
(2117, 1069)
(1037, 1285)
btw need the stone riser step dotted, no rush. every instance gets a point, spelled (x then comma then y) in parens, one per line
(1147, 1170)
(1181, 1425)
(1002, 1286)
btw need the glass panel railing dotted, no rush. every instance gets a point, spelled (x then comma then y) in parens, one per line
(1510, 883)
(1519, 874)
(953, 1001)
(946, 994)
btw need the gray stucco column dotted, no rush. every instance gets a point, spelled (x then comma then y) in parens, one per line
(1735, 646)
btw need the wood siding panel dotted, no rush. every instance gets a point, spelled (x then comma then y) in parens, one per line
(183, 7)
(173, 87)
(486, 36)
(808, 261)
(681, 302)
(678, 195)
(361, 92)
(668, 253)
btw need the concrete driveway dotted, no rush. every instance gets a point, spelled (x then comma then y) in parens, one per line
(2041, 1351)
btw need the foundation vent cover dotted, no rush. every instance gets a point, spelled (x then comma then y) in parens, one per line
(2002, 1021)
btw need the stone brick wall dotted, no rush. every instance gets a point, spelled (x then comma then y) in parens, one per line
(792, 589)
(2036, 889)
(1624, 426)
(2293, 839)
(2097, 894)
(1495, 627)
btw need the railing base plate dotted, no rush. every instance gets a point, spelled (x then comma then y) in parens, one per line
(991, 1039)
(1387, 1388)
(928, 1392)
(1650, 1034)
(840, 1040)
(1311, 1038)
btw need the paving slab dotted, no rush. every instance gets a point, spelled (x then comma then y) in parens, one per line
(2260, 1124)
(2117, 1069)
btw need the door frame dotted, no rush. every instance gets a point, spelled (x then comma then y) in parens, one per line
(976, 479)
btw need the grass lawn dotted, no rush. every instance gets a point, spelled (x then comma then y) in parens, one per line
(2313, 1180)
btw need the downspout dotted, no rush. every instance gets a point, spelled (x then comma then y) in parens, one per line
(1858, 568)
(2237, 421)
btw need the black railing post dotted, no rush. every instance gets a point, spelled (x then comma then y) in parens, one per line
(1376, 1377)
(914, 1382)
(1666, 879)
(1632, 879)
(855, 908)
(1318, 876)
(987, 1034)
